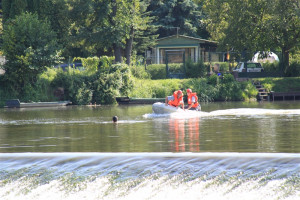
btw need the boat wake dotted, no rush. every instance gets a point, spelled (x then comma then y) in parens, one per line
(246, 112)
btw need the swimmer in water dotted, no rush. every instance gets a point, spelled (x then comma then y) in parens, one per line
(115, 119)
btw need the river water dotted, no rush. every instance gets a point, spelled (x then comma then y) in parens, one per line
(231, 150)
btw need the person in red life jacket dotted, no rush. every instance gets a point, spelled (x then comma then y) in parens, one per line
(175, 100)
(192, 100)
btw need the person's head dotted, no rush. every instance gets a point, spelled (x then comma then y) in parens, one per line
(188, 91)
(115, 118)
(179, 93)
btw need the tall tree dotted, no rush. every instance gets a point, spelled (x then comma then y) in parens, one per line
(55, 11)
(110, 25)
(142, 31)
(255, 25)
(177, 16)
(13, 8)
(284, 26)
(29, 46)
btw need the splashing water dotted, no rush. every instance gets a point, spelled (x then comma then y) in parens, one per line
(250, 112)
(149, 176)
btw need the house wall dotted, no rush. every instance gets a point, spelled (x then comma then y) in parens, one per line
(195, 49)
(175, 55)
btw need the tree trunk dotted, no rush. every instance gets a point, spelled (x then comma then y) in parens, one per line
(116, 46)
(286, 58)
(118, 53)
(128, 48)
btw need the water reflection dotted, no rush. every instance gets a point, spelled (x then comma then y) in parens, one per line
(184, 135)
(224, 127)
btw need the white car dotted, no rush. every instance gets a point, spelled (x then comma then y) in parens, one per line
(248, 67)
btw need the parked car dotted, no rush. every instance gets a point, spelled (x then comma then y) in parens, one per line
(248, 67)
(72, 65)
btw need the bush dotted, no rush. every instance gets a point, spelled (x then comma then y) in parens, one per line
(195, 70)
(155, 88)
(139, 71)
(213, 80)
(229, 89)
(249, 91)
(294, 69)
(223, 66)
(205, 91)
(271, 67)
(101, 87)
(158, 71)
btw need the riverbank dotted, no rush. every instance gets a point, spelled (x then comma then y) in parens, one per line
(103, 88)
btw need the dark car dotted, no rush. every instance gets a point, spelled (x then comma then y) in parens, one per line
(72, 65)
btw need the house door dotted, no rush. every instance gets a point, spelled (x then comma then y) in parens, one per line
(179, 56)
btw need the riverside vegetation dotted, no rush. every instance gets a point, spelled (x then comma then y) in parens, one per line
(101, 81)
(36, 35)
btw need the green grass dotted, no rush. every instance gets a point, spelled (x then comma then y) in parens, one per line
(287, 84)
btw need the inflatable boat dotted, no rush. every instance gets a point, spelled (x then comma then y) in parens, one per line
(161, 108)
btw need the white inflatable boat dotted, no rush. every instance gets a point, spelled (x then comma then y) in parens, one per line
(161, 108)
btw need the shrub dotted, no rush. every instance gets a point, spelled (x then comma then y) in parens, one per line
(230, 89)
(155, 88)
(205, 91)
(101, 87)
(158, 71)
(294, 69)
(195, 70)
(223, 66)
(140, 72)
(249, 91)
(83, 95)
(213, 79)
(271, 67)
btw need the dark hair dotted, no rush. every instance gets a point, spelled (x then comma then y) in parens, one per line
(115, 118)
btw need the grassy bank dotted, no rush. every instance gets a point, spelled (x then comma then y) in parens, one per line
(286, 84)
(103, 85)
(209, 89)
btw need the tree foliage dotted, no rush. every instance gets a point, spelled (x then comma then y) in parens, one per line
(104, 26)
(254, 25)
(29, 46)
(183, 14)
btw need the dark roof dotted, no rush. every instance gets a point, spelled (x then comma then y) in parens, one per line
(200, 40)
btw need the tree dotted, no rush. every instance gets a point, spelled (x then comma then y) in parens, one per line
(109, 25)
(55, 11)
(13, 8)
(184, 16)
(284, 26)
(29, 45)
(254, 25)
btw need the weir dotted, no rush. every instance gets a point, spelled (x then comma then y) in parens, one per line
(149, 175)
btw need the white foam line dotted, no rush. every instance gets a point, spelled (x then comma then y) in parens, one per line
(255, 111)
(228, 112)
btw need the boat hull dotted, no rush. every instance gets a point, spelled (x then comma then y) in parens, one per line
(161, 108)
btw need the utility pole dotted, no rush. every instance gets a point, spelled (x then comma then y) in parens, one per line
(177, 29)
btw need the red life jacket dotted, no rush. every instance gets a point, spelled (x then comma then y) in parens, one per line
(176, 101)
(190, 100)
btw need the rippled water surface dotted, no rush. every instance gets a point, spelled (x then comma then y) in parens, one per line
(227, 151)
(220, 127)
